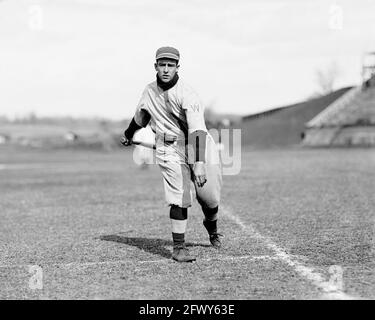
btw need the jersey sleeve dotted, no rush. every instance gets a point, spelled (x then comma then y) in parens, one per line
(142, 114)
(194, 111)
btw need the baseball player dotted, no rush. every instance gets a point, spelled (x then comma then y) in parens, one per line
(185, 152)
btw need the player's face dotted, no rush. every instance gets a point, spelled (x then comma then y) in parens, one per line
(166, 69)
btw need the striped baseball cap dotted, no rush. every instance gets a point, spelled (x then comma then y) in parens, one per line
(168, 52)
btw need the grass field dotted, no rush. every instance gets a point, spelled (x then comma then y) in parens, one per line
(296, 223)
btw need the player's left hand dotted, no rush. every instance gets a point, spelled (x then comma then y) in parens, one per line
(199, 170)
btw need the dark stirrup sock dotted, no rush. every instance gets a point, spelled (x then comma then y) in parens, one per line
(178, 214)
(178, 239)
(210, 221)
(210, 213)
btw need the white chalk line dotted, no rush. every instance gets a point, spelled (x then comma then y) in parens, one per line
(330, 291)
(158, 261)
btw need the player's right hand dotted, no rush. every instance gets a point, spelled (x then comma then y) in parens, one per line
(200, 173)
(125, 141)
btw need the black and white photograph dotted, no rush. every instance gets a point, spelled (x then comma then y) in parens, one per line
(187, 155)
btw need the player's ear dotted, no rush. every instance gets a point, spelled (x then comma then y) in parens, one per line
(156, 66)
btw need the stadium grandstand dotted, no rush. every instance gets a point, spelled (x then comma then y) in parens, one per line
(349, 120)
(284, 126)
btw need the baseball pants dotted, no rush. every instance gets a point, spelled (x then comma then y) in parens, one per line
(178, 176)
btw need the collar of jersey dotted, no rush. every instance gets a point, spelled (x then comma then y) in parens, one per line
(166, 85)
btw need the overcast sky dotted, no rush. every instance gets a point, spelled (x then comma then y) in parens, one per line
(94, 57)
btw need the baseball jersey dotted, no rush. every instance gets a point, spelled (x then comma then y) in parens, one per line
(174, 113)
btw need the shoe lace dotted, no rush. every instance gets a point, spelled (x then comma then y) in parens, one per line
(216, 235)
(181, 247)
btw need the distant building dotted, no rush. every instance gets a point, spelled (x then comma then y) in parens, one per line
(4, 138)
(71, 136)
(225, 123)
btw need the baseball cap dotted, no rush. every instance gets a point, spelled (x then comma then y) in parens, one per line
(168, 52)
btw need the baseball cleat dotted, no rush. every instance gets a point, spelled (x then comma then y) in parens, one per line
(215, 239)
(181, 254)
(214, 236)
